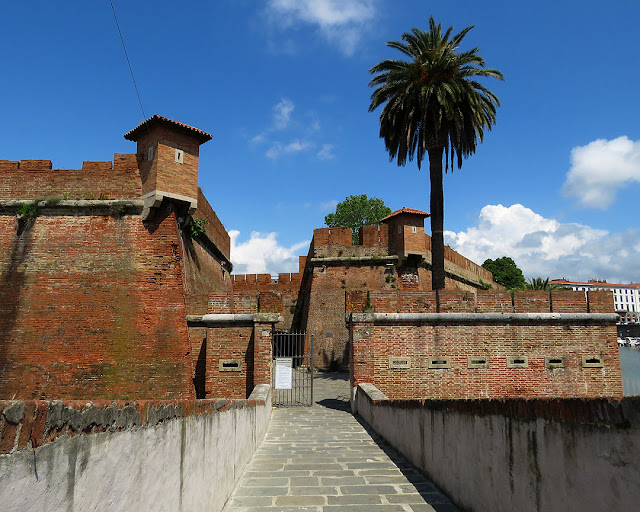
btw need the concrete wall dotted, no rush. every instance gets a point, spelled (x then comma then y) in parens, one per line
(525, 455)
(183, 456)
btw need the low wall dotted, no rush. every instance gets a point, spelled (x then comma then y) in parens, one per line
(235, 355)
(145, 455)
(489, 345)
(516, 454)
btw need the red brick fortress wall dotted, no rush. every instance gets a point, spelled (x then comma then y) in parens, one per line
(457, 346)
(234, 355)
(93, 307)
(286, 289)
(31, 179)
(335, 266)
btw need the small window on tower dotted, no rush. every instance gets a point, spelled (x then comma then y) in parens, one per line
(150, 154)
(179, 156)
(414, 229)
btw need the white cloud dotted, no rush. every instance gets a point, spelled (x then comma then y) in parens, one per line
(548, 248)
(341, 22)
(600, 168)
(262, 254)
(326, 152)
(277, 149)
(329, 206)
(282, 113)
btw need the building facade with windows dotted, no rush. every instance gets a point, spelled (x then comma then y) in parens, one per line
(626, 297)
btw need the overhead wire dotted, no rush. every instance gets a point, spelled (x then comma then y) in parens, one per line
(115, 17)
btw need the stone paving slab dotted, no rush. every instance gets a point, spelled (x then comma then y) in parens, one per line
(322, 459)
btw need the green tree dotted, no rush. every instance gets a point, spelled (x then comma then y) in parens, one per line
(505, 272)
(357, 211)
(433, 105)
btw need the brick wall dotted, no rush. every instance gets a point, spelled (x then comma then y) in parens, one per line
(31, 179)
(234, 356)
(93, 307)
(286, 287)
(214, 229)
(551, 353)
(163, 172)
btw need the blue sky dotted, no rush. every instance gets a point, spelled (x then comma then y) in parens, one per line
(282, 85)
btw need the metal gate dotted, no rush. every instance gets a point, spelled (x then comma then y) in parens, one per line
(292, 381)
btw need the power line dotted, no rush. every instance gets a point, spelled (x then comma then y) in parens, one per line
(144, 117)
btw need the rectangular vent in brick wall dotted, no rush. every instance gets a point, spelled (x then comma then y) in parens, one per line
(553, 362)
(517, 362)
(399, 362)
(478, 362)
(230, 365)
(439, 362)
(592, 362)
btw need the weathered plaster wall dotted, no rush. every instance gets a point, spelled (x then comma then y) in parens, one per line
(525, 455)
(175, 456)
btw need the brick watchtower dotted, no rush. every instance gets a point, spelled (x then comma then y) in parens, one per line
(406, 233)
(168, 161)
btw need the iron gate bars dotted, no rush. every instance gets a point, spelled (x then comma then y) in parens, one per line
(292, 381)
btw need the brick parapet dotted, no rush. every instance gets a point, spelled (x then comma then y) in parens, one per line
(31, 179)
(568, 301)
(37, 422)
(480, 301)
(487, 351)
(214, 229)
(600, 301)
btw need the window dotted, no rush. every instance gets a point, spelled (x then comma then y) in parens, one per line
(179, 156)
(150, 154)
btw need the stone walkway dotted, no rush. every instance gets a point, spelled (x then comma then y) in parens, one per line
(322, 459)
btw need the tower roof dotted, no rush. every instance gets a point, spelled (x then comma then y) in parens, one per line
(158, 120)
(410, 211)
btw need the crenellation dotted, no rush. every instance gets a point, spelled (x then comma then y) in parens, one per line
(35, 165)
(94, 165)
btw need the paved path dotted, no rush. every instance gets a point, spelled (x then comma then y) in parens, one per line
(322, 459)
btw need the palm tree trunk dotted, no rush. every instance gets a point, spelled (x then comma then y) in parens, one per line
(437, 218)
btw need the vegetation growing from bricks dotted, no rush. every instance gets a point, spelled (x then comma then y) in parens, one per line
(119, 210)
(368, 308)
(31, 210)
(197, 228)
(28, 210)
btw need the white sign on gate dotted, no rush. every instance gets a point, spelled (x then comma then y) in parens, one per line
(283, 372)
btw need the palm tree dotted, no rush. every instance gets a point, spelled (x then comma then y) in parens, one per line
(537, 283)
(433, 105)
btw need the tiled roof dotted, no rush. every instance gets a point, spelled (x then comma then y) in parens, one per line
(406, 210)
(595, 284)
(157, 119)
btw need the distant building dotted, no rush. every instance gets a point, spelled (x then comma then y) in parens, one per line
(626, 297)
